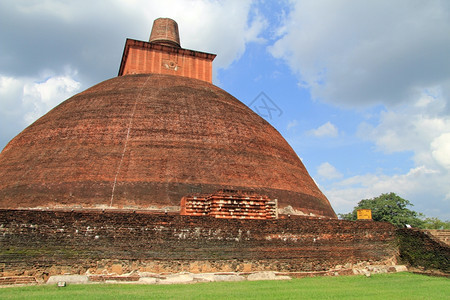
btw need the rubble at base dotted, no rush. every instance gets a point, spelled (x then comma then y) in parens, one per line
(186, 277)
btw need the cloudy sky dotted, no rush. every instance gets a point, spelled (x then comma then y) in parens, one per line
(361, 88)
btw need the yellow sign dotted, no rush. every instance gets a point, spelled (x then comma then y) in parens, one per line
(364, 214)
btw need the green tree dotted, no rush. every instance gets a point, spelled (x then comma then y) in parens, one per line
(435, 223)
(388, 208)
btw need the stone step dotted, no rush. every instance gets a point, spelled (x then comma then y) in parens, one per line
(10, 280)
(102, 278)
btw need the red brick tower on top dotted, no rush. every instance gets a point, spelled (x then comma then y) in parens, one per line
(163, 55)
(165, 32)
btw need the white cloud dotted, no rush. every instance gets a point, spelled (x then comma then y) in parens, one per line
(24, 99)
(328, 171)
(292, 124)
(441, 149)
(90, 35)
(358, 53)
(40, 97)
(422, 186)
(326, 130)
(10, 90)
(421, 127)
(220, 27)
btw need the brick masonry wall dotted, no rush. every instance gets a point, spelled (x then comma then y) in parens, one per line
(144, 58)
(441, 234)
(43, 243)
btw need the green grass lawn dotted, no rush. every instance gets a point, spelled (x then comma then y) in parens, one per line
(381, 286)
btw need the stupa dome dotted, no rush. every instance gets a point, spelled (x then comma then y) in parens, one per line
(144, 141)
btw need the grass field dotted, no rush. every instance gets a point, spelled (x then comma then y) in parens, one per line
(381, 286)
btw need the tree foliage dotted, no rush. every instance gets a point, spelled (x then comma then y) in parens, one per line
(435, 223)
(388, 208)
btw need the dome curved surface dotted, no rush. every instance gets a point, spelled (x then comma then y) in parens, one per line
(145, 141)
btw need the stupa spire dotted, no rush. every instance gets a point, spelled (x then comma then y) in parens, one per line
(163, 54)
(165, 32)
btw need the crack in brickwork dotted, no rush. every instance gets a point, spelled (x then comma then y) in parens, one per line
(130, 124)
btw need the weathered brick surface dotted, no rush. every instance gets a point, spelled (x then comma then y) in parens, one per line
(143, 57)
(441, 234)
(163, 55)
(165, 31)
(52, 243)
(146, 141)
(230, 204)
(12, 280)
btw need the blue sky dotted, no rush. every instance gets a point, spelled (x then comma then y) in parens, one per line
(363, 86)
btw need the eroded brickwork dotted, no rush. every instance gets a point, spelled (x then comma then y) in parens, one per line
(165, 32)
(230, 204)
(42, 243)
(164, 55)
(144, 58)
(441, 234)
(144, 142)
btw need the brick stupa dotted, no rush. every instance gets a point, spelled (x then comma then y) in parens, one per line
(158, 132)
